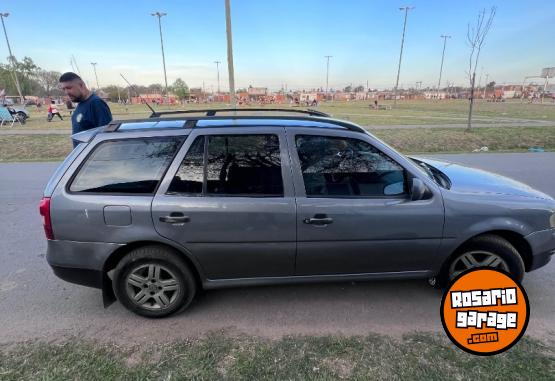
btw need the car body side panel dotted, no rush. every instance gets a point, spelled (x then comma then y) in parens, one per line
(469, 215)
(233, 236)
(368, 235)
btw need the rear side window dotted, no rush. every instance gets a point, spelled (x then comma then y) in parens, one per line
(344, 167)
(126, 166)
(232, 165)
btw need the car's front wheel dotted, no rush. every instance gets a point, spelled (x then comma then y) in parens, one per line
(483, 251)
(153, 281)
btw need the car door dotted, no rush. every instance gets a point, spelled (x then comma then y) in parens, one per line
(228, 199)
(354, 211)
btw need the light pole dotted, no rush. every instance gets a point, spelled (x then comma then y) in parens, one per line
(230, 54)
(406, 9)
(12, 58)
(445, 37)
(160, 15)
(218, 70)
(95, 76)
(327, 75)
(486, 85)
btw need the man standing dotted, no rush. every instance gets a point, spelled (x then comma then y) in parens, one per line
(91, 111)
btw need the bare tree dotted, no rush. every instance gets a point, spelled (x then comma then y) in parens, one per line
(476, 36)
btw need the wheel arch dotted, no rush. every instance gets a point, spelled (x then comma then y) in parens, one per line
(517, 240)
(117, 255)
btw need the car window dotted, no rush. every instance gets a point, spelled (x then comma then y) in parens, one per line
(190, 175)
(345, 167)
(126, 166)
(236, 165)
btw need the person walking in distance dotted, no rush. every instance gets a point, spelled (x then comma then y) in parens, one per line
(53, 111)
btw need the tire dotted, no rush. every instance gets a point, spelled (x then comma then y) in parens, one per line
(22, 117)
(485, 248)
(153, 281)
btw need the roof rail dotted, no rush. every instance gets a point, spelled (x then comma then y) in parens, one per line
(212, 112)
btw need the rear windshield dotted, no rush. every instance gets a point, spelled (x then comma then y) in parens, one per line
(126, 166)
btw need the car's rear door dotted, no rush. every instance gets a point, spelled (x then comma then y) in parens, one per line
(354, 211)
(228, 199)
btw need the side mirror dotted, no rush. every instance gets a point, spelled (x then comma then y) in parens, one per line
(418, 189)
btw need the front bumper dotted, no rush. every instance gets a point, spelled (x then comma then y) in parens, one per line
(542, 244)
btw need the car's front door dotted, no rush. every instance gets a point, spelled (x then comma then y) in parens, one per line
(228, 199)
(354, 211)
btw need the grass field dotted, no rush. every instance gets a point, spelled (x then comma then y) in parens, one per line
(530, 125)
(219, 356)
(418, 140)
(405, 113)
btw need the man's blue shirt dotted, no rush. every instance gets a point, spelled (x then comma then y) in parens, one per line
(91, 113)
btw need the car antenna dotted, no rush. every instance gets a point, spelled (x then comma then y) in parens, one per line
(142, 99)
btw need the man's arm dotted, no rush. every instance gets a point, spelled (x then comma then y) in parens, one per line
(101, 113)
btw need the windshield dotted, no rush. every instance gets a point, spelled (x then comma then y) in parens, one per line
(433, 173)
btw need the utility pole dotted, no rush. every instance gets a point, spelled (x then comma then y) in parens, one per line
(327, 75)
(218, 70)
(95, 76)
(230, 53)
(445, 37)
(160, 15)
(406, 9)
(486, 86)
(12, 58)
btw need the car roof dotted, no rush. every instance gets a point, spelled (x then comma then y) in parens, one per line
(244, 117)
(170, 120)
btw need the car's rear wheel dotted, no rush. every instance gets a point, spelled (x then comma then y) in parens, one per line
(483, 251)
(153, 281)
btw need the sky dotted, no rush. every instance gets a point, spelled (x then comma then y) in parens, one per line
(280, 42)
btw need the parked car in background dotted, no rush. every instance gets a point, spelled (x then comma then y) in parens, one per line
(153, 210)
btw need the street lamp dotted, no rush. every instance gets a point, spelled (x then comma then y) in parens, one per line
(327, 75)
(445, 37)
(218, 70)
(406, 9)
(160, 15)
(95, 76)
(12, 58)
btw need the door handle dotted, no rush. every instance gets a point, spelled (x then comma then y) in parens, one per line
(318, 220)
(173, 219)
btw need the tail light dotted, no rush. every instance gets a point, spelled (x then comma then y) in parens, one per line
(44, 209)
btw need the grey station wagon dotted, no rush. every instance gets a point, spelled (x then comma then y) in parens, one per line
(153, 210)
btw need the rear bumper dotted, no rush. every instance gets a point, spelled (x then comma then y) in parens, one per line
(543, 247)
(84, 277)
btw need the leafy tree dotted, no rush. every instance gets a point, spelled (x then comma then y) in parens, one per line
(49, 82)
(112, 93)
(180, 89)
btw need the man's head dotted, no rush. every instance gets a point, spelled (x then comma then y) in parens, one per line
(74, 87)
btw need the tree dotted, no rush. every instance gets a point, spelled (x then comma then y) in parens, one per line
(180, 89)
(115, 93)
(48, 81)
(155, 88)
(347, 89)
(359, 89)
(26, 71)
(476, 35)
